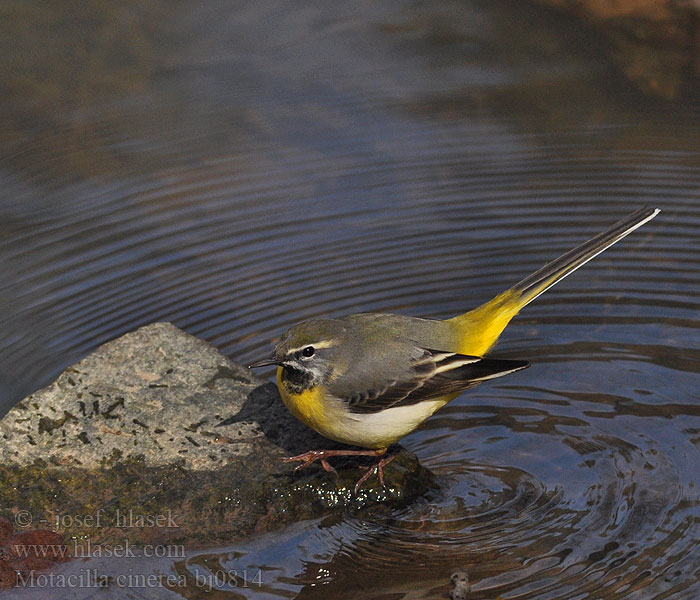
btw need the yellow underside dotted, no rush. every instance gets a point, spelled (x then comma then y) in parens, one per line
(308, 406)
(479, 329)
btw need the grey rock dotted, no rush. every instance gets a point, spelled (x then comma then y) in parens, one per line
(157, 393)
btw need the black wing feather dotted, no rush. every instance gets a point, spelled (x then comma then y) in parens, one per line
(433, 375)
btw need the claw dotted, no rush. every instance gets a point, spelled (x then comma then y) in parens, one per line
(326, 465)
(378, 469)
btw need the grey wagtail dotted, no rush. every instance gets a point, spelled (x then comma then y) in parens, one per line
(371, 378)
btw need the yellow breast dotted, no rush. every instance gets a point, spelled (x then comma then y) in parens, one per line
(308, 406)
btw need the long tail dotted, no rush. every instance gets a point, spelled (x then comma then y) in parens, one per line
(479, 329)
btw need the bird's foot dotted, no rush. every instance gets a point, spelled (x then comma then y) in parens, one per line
(310, 457)
(378, 469)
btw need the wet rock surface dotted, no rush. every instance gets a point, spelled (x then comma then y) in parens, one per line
(158, 438)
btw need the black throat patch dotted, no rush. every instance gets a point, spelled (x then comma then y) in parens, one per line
(296, 380)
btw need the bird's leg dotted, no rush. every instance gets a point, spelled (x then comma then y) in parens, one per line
(378, 468)
(312, 456)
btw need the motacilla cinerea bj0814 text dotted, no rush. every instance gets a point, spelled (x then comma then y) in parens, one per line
(371, 378)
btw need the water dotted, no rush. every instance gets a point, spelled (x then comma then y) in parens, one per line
(237, 169)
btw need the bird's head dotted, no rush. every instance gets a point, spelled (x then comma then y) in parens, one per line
(308, 351)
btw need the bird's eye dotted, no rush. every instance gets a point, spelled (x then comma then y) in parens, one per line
(308, 352)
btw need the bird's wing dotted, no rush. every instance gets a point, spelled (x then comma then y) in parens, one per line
(432, 375)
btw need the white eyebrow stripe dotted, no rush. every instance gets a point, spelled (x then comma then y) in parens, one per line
(316, 345)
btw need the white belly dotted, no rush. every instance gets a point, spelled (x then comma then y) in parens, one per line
(380, 430)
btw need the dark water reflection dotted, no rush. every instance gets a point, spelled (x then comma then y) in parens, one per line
(238, 169)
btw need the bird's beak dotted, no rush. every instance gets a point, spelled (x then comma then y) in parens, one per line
(265, 362)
